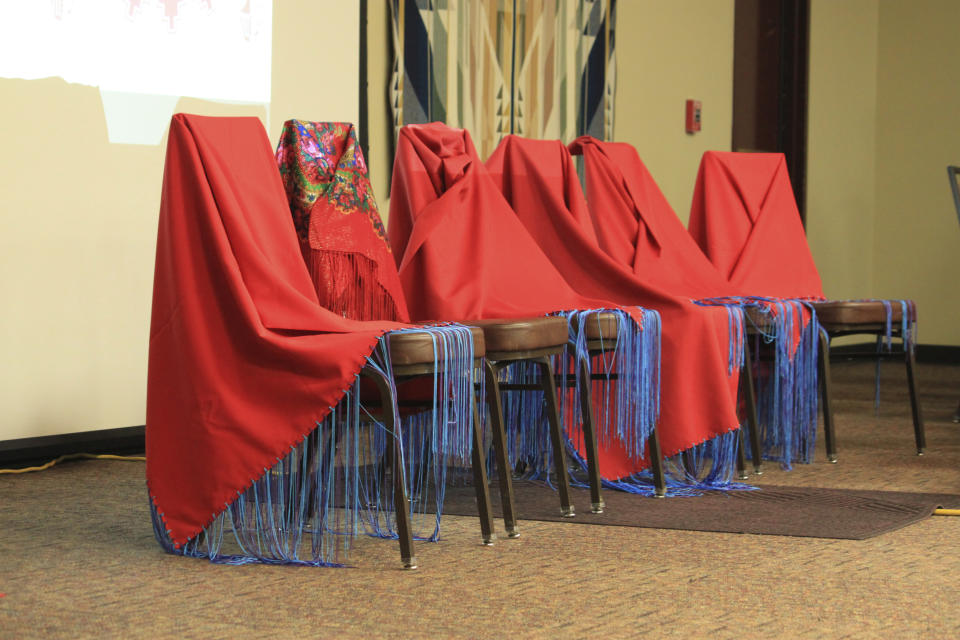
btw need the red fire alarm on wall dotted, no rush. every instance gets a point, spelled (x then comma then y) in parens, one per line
(693, 116)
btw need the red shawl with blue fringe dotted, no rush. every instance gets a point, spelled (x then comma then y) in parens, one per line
(464, 254)
(243, 360)
(698, 388)
(637, 227)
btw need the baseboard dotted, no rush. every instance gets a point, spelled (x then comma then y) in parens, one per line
(938, 353)
(24, 452)
(928, 353)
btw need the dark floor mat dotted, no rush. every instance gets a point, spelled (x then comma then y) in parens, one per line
(773, 510)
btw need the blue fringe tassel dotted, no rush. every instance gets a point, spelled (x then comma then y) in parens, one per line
(714, 469)
(908, 332)
(330, 488)
(787, 399)
(627, 408)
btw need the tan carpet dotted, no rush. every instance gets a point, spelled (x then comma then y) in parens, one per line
(78, 560)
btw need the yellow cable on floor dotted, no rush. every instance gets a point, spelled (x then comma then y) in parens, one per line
(74, 456)
(946, 512)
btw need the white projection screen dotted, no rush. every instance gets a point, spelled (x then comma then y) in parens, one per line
(87, 89)
(143, 55)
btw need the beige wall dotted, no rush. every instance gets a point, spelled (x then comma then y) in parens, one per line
(668, 52)
(380, 118)
(841, 144)
(78, 224)
(917, 238)
(880, 218)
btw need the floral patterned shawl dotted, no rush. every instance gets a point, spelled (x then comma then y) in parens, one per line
(335, 213)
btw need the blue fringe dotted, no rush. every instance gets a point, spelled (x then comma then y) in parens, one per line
(787, 398)
(626, 409)
(908, 331)
(714, 462)
(330, 488)
(787, 395)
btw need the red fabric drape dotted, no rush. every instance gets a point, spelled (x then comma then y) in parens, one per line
(698, 395)
(466, 255)
(243, 361)
(745, 220)
(638, 228)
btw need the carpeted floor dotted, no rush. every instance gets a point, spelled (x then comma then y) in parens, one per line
(78, 560)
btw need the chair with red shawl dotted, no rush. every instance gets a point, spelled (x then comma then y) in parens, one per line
(637, 227)
(464, 255)
(255, 451)
(745, 219)
(344, 245)
(698, 377)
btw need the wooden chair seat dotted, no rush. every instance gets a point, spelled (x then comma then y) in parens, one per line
(504, 338)
(409, 349)
(601, 325)
(851, 316)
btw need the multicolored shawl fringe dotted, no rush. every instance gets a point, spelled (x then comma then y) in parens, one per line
(331, 487)
(335, 213)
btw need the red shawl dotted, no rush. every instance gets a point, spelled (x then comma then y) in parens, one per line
(465, 255)
(745, 219)
(335, 213)
(243, 361)
(698, 393)
(637, 227)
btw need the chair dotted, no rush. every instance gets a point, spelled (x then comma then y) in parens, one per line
(745, 219)
(537, 341)
(414, 355)
(882, 319)
(952, 173)
(255, 451)
(534, 341)
(758, 325)
(349, 261)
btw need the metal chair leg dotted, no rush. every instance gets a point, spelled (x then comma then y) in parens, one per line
(750, 393)
(480, 480)
(556, 436)
(401, 505)
(500, 449)
(590, 438)
(918, 431)
(824, 369)
(741, 459)
(656, 465)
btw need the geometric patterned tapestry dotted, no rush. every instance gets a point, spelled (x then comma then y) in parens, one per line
(538, 68)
